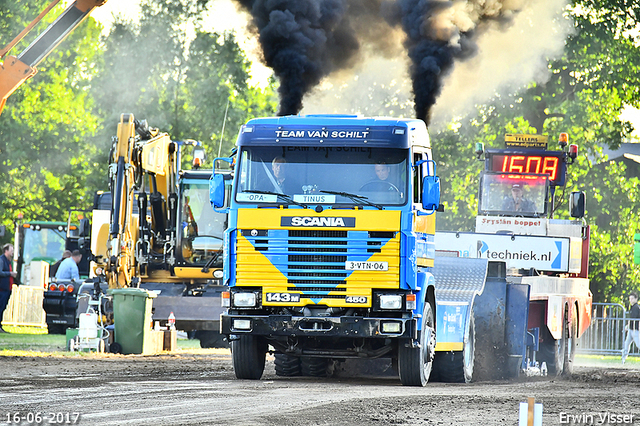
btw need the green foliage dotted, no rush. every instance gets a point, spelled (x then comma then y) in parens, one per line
(46, 122)
(180, 86)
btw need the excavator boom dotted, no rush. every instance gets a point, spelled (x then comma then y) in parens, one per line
(15, 70)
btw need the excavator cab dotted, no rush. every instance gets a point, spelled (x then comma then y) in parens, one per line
(200, 228)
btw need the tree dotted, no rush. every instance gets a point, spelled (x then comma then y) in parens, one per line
(181, 86)
(44, 128)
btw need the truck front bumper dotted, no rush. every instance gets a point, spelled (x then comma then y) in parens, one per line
(335, 327)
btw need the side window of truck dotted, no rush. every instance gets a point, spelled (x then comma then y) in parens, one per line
(417, 177)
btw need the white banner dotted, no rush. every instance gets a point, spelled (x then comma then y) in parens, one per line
(518, 251)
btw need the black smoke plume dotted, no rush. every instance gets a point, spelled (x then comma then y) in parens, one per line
(302, 41)
(306, 40)
(441, 32)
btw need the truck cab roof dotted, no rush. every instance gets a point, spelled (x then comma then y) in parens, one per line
(334, 130)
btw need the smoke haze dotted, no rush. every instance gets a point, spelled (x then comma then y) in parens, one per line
(508, 57)
(312, 45)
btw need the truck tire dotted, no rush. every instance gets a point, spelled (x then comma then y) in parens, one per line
(457, 366)
(571, 330)
(248, 354)
(552, 352)
(287, 365)
(317, 367)
(415, 363)
(211, 339)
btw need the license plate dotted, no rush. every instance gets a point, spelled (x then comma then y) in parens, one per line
(283, 297)
(366, 266)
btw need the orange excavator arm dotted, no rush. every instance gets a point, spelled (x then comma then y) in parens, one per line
(15, 70)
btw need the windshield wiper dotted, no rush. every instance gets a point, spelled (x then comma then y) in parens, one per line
(286, 197)
(355, 198)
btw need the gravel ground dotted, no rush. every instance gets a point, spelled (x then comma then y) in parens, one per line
(199, 388)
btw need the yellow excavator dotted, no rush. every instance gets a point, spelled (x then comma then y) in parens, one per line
(15, 70)
(159, 231)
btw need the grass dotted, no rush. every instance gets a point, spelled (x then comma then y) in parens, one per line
(28, 343)
(606, 361)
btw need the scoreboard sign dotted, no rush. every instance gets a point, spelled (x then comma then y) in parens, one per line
(552, 163)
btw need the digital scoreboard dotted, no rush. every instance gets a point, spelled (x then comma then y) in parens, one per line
(552, 163)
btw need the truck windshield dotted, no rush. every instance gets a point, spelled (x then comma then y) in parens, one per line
(314, 175)
(201, 228)
(513, 194)
(42, 244)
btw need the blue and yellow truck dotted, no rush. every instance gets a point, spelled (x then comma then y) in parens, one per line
(329, 251)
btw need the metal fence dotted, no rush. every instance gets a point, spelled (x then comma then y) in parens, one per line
(607, 332)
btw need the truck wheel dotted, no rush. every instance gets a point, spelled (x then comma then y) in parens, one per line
(287, 365)
(211, 339)
(457, 367)
(552, 352)
(317, 367)
(415, 363)
(571, 334)
(248, 354)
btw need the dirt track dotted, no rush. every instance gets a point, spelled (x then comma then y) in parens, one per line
(200, 389)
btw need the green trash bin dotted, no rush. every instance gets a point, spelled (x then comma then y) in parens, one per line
(132, 316)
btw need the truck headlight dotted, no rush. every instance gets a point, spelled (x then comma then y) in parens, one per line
(390, 301)
(244, 300)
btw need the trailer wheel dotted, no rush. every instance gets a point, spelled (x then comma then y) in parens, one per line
(552, 352)
(248, 354)
(317, 367)
(287, 365)
(457, 367)
(571, 333)
(415, 363)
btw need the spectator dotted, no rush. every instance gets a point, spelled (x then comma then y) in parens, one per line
(633, 328)
(54, 268)
(68, 269)
(6, 277)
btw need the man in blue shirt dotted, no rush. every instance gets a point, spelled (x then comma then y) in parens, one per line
(68, 269)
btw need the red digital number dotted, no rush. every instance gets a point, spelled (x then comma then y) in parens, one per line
(533, 164)
(550, 166)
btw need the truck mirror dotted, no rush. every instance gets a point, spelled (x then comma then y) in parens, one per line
(430, 192)
(577, 204)
(84, 228)
(216, 190)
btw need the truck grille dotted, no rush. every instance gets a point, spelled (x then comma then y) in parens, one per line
(312, 262)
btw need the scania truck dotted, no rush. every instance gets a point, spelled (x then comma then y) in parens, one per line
(329, 248)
